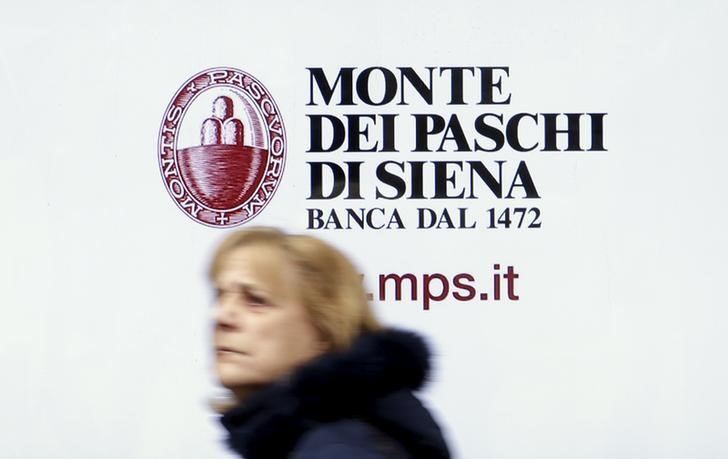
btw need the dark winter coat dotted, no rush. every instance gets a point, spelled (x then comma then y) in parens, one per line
(355, 404)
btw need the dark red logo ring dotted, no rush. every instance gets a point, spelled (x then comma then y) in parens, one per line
(222, 147)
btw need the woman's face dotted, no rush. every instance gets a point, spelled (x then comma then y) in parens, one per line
(262, 329)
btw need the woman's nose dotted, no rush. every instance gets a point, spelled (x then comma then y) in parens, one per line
(226, 315)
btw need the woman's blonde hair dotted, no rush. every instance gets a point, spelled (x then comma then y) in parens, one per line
(329, 285)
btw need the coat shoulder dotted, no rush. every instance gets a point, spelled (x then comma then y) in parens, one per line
(350, 439)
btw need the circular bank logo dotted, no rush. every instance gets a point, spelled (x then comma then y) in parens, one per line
(222, 147)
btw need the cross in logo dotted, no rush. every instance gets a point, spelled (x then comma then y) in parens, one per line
(222, 219)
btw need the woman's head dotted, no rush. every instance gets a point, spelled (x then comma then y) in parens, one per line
(281, 301)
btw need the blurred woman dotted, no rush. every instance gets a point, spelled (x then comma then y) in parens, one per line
(311, 372)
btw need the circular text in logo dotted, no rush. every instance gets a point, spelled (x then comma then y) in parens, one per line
(222, 147)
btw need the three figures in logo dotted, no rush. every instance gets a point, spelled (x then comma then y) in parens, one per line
(222, 128)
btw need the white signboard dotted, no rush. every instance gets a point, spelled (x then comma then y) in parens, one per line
(535, 187)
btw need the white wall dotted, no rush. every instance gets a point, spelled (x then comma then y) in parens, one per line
(616, 345)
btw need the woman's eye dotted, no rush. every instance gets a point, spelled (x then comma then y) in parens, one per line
(255, 300)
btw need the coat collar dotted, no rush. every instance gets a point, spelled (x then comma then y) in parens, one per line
(371, 380)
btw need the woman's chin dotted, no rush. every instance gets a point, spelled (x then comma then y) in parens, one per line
(232, 378)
